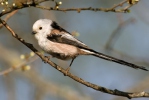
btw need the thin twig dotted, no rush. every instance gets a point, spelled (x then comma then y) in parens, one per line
(36, 4)
(88, 84)
(120, 4)
(8, 17)
(116, 33)
(112, 9)
(80, 9)
(18, 66)
(22, 5)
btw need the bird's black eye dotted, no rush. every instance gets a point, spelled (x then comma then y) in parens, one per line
(40, 28)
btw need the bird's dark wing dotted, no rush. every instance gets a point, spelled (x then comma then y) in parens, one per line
(65, 38)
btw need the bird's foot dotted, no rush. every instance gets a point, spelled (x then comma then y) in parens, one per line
(47, 58)
(67, 71)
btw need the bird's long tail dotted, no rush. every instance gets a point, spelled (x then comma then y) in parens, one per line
(109, 58)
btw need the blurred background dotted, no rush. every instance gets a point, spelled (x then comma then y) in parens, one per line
(121, 35)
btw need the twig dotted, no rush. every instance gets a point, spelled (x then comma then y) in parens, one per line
(35, 4)
(120, 4)
(143, 85)
(112, 9)
(18, 66)
(8, 17)
(22, 5)
(80, 9)
(116, 33)
(88, 84)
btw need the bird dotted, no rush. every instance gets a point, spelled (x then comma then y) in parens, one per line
(59, 43)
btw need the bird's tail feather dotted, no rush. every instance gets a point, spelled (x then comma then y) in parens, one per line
(109, 58)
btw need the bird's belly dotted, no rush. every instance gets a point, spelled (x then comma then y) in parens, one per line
(59, 50)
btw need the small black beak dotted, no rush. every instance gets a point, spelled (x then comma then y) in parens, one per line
(34, 32)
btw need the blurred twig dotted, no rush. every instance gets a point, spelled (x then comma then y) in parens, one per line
(47, 87)
(88, 84)
(116, 33)
(8, 17)
(18, 66)
(10, 87)
(109, 47)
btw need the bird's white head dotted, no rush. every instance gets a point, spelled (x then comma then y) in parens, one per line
(41, 28)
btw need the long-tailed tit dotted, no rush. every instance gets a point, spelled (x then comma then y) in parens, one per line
(61, 44)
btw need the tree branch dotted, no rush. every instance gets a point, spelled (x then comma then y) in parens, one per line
(88, 84)
(22, 5)
(36, 4)
(112, 9)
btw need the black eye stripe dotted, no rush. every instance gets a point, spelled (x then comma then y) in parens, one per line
(40, 28)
